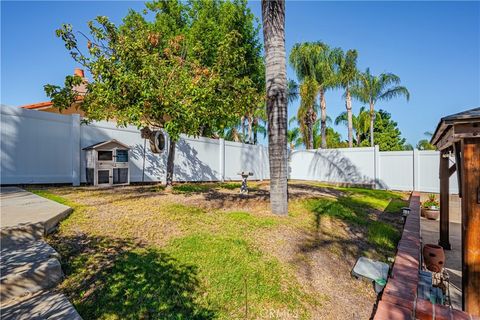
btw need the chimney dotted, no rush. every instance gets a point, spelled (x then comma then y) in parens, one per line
(79, 72)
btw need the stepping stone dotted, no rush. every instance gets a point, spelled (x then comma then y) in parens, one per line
(26, 269)
(42, 305)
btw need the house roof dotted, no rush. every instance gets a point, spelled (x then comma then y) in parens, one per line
(39, 105)
(445, 124)
(99, 144)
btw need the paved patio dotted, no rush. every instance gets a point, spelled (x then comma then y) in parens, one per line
(431, 232)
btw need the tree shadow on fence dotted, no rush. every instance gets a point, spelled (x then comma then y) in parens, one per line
(188, 167)
(111, 277)
(339, 168)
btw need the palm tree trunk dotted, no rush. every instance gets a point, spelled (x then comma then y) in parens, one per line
(372, 122)
(348, 104)
(255, 131)
(170, 163)
(242, 120)
(323, 127)
(273, 15)
(250, 132)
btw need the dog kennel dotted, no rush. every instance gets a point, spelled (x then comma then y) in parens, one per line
(107, 164)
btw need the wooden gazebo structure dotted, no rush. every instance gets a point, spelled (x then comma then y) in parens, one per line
(458, 135)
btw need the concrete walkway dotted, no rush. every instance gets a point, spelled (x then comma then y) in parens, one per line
(21, 208)
(29, 267)
(453, 258)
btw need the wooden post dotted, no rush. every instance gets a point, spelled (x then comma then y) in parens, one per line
(471, 225)
(444, 201)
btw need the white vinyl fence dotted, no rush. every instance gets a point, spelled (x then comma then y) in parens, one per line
(42, 147)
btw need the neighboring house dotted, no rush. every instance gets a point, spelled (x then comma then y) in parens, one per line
(47, 106)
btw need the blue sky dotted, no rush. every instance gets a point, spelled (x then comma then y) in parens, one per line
(433, 46)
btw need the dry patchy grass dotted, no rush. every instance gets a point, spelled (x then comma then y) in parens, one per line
(204, 251)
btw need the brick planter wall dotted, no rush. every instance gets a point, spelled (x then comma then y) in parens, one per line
(399, 299)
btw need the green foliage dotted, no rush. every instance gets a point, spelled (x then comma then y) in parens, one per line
(386, 133)
(431, 201)
(371, 89)
(360, 123)
(315, 65)
(190, 68)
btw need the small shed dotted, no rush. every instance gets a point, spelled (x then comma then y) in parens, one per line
(107, 163)
(458, 135)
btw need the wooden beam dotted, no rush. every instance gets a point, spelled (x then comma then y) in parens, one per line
(471, 225)
(446, 141)
(458, 162)
(452, 169)
(444, 200)
(467, 130)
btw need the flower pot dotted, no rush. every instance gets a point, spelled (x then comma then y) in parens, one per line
(434, 257)
(422, 212)
(431, 214)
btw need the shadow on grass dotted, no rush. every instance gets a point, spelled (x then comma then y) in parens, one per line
(369, 229)
(110, 278)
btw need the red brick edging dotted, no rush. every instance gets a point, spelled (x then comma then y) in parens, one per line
(399, 299)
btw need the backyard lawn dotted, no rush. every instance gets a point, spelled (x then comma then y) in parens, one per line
(202, 251)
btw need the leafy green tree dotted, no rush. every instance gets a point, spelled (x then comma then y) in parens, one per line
(188, 67)
(424, 144)
(387, 134)
(347, 76)
(371, 89)
(273, 15)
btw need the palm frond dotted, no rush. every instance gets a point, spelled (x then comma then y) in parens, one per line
(394, 92)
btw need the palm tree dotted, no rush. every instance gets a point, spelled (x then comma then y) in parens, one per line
(273, 16)
(360, 123)
(314, 64)
(347, 75)
(303, 58)
(294, 135)
(371, 89)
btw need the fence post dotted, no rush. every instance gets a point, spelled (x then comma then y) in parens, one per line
(376, 155)
(416, 167)
(221, 154)
(75, 134)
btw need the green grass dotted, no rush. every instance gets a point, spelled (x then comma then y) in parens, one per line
(191, 188)
(213, 270)
(383, 235)
(355, 207)
(230, 185)
(213, 267)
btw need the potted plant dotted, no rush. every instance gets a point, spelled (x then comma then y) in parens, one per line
(431, 208)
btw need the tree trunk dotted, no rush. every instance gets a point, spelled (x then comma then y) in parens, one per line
(309, 122)
(372, 122)
(273, 15)
(348, 105)
(243, 129)
(250, 132)
(323, 128)
(170, 163)
(255, 131)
